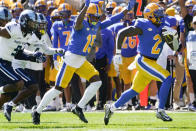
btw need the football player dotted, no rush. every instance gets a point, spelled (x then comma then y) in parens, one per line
(3, 21)
(18, 64)
(149, 31)
(82, 38)
(128, 50)
(110, 7)
(61, 31)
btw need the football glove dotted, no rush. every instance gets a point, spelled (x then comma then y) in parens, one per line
(60, 51)
(40, 57)
(166, 30)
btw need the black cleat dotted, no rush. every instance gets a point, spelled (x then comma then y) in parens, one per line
(7, 110)
(35, 116)
(78, 111)
(163, 116)
(108, 113)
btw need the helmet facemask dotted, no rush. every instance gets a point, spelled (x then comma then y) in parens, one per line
(93, 19)
(32, 25)
(65, 16)
(158, 16)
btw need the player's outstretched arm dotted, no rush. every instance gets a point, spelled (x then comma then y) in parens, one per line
(128, 31)
(183, 8)
(80, 18)
(114, 19)
(4, 33)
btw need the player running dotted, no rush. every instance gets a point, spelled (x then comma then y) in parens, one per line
(82, 39)
(149, 31)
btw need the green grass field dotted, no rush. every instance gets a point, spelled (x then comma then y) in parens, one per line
(125, 121)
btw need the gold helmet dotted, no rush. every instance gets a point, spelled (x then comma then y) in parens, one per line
(154, 12)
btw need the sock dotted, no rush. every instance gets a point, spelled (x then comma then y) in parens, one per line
(113, 107)
(1, 90)
(49, 96)
(57, 103)
(153, 97)
(153, 100)
(125, 97)
(160, 110)
(192, 97)
(61, 102)
(11, 103)
(68, 104)
(129, 102)
(38, 99)
(89, 93)
(164, 91)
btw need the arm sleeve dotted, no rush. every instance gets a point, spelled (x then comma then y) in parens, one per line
(112, 20)
(54, 40)
(48, 50)
(128, 31)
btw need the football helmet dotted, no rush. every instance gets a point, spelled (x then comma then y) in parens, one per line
(51, 5)
(93, 13)
(65, 11)
(110, 6)
(170, 11)
(4, 4)
(16, 8)
(40, 6)
(41, 23)
(190, 3)
(55, 16)
(155, 13)
(5, 16)
(28, 21)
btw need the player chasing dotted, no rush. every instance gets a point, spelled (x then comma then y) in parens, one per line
(152, 33)
(81, 41)
(13, 38)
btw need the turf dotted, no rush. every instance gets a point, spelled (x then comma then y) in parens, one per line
(124, 121)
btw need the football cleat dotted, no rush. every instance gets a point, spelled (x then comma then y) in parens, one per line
(7, 110)
(35, 116)
(108, 113)
(163, 116)
(191, 107)
(78, 112)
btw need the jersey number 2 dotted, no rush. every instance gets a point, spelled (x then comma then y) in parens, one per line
(155, 49)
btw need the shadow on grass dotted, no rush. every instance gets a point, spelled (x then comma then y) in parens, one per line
(26, 122)
(51, 127)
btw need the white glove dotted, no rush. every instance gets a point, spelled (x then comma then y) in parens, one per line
(166, 30)
(60, 51)
(56, 65)
(117, 59)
